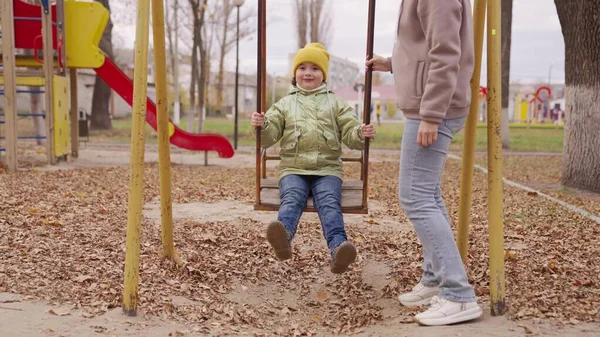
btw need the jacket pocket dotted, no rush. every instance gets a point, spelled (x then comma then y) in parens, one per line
(420, 78)
(331, 140)
(289, 146)
(455, 124)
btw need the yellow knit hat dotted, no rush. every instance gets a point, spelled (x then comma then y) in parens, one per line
(314, 53)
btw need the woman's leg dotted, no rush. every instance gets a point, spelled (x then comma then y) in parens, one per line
(420, 174)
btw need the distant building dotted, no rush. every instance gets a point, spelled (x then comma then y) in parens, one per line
(384, 95)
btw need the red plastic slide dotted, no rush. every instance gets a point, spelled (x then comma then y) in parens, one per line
(123, 85)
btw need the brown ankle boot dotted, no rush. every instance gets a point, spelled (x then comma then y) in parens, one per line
(345, 254)
(278, 238)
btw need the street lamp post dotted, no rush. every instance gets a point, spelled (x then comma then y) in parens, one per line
(238, 4)
(550, 71)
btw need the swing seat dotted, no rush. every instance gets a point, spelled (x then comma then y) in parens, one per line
(352, 191)
(352, 195)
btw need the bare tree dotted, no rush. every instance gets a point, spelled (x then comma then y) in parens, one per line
(223, 39)
(100, 118)
(302, 20)
(506, 22)
(196, 9)
(581, 32)
(320, 22)
(173, 39)
(313, 24)
(203, 70)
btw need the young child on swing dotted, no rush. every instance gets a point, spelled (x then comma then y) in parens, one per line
(311, 123)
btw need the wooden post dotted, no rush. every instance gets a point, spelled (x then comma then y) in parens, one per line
(260, 85)
(10, 88)
(74, 115)
(49, 75)
(364, 175)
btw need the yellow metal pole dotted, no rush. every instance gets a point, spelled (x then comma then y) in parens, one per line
(164, 152)
(495, 195)
(468, 159)
(136, 179)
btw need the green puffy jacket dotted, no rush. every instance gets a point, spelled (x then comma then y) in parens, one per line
(311, 125)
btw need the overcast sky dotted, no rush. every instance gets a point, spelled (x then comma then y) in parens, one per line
(537, 42)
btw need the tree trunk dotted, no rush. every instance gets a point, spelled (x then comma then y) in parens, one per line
(315, 18)
(172, 37)
(203, 71)
(227, 9)
(506, 21)
(319, 24)
(100, 118)
(581, 153)
(301, 15)
(208, 43)
(192, 110)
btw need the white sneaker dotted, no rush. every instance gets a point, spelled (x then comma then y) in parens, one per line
(419, 295)
(444, 312)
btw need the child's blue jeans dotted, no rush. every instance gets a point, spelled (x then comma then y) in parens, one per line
(327, 194)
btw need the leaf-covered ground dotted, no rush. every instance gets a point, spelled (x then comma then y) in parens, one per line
(63, 240)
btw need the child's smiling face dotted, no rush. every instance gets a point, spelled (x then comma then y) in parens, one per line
(309, 76)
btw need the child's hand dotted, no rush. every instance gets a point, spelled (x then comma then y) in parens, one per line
(258, 119)
(367, 131)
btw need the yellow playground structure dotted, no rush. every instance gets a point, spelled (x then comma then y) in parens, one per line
(69, 33)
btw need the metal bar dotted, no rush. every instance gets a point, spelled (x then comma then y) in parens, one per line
(260, 80)
(29, 18)
(26, 92)
(10, 99)
(367, 102)
(136, 178)
(162, 114)
(28, 115)
(468, 159)
(495, 194)
(27, 137)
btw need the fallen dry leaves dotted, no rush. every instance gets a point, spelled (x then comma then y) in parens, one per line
(543, 172)
(63, 236)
